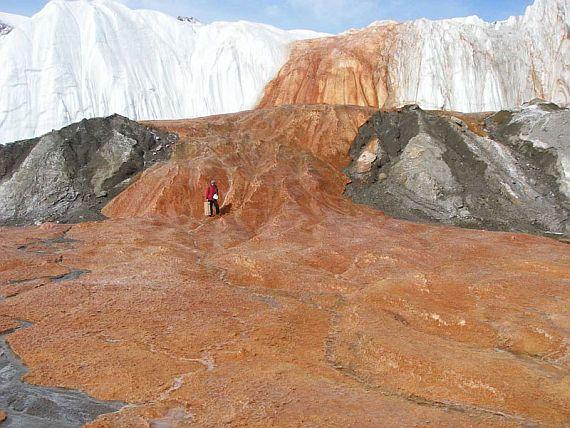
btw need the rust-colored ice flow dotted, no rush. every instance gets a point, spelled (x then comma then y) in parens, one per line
(351, 68)
(261, 159)
(296, 307)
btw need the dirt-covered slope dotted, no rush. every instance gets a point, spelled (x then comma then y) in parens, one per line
(503, 171)
(70, 174)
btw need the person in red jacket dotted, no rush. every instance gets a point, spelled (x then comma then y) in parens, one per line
(212, 196)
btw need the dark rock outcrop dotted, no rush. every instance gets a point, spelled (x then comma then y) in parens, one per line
(70, 174)
(189, 19)
(506, 171)
(5, 28)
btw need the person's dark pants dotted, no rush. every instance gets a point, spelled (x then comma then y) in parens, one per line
(214, 203)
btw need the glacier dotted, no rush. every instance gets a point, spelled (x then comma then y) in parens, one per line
(469, 65)
(82, 59)
(460, 64)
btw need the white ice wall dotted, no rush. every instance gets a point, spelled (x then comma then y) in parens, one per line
(470, 65)
(77, 59)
